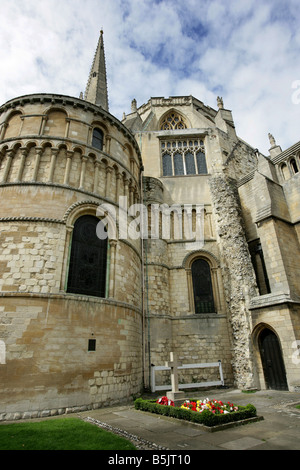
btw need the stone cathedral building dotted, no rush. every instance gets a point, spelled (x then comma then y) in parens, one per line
(83, 316)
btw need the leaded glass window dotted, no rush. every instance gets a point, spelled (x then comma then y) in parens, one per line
(167, 165)
(97, 141)
(173, 121)
(178, 164)
(201, 163)
(190, 164)
(183, 157)
(202, 287)
(87, 268)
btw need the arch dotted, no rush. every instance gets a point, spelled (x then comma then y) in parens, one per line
(88, 259)
(92, 208)
(270, 351)
(285, 171)
(100, 125)
(294, 166)
(173, 120)
(202, 286)
(56, 122)
(98, 138)
(13, 124)
(203, 279)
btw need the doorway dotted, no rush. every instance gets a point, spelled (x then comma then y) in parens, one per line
(272, 360)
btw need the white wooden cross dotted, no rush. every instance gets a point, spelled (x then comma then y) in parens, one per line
(173, 364)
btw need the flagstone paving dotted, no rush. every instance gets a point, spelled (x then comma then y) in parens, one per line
(280, 428)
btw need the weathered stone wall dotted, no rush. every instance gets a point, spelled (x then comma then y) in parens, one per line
(238, 275)
(48, 365)
(50, 174)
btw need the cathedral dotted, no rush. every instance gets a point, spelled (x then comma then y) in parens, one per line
(122, 241)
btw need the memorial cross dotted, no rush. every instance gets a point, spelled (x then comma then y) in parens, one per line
(174, 364)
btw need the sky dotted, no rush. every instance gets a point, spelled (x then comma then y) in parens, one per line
(246, 51)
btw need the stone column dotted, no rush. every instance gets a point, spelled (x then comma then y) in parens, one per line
(108, 181)
(96, 176)
(67, 128)
(3, 129)
(68, 167)
(38, 154)
(54, 153)
(113, 247)
(10, 154)
(83, 169)
(118, 179)
(43, 124)
(24, 153)
(190, 290)
(126, 184)
(107, 144)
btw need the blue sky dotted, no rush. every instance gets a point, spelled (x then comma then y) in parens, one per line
(246, 51)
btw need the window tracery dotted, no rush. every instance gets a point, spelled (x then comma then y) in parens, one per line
(183, 157)
(173, 121)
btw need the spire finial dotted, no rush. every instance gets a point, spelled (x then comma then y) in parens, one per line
(96, 89)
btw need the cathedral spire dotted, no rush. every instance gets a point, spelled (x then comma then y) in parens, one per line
(96, 89)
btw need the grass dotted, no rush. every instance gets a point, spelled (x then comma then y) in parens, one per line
(298, 407)
(59, 434)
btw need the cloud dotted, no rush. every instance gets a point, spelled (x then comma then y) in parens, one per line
(245, 51)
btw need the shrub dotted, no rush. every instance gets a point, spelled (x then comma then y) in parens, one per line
(206, 417)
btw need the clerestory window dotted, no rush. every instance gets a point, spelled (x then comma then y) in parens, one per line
(97, 141)
(183, 157)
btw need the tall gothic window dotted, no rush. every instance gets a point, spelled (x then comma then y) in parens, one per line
(87, 268)
(97, 141)
(202, 287)
(183, 157)
(258, 262)
(173, 121)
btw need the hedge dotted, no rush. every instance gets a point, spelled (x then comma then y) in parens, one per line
(207, 418)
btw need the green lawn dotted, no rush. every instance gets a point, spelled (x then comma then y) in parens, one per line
(59, 434)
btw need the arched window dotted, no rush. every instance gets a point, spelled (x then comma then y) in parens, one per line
(285, 171)
(202, 287)
(87, 268)
(294, 165)
(97, 141)
(173, 121)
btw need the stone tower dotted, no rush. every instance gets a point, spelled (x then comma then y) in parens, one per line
(70, 311)
(235, 298)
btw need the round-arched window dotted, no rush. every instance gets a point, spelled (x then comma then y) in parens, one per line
(88, 260)
(98, 138)
(202, 287)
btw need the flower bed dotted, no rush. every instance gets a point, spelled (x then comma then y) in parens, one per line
(207, 412)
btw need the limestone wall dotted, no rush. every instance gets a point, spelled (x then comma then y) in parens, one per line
(50, 175)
